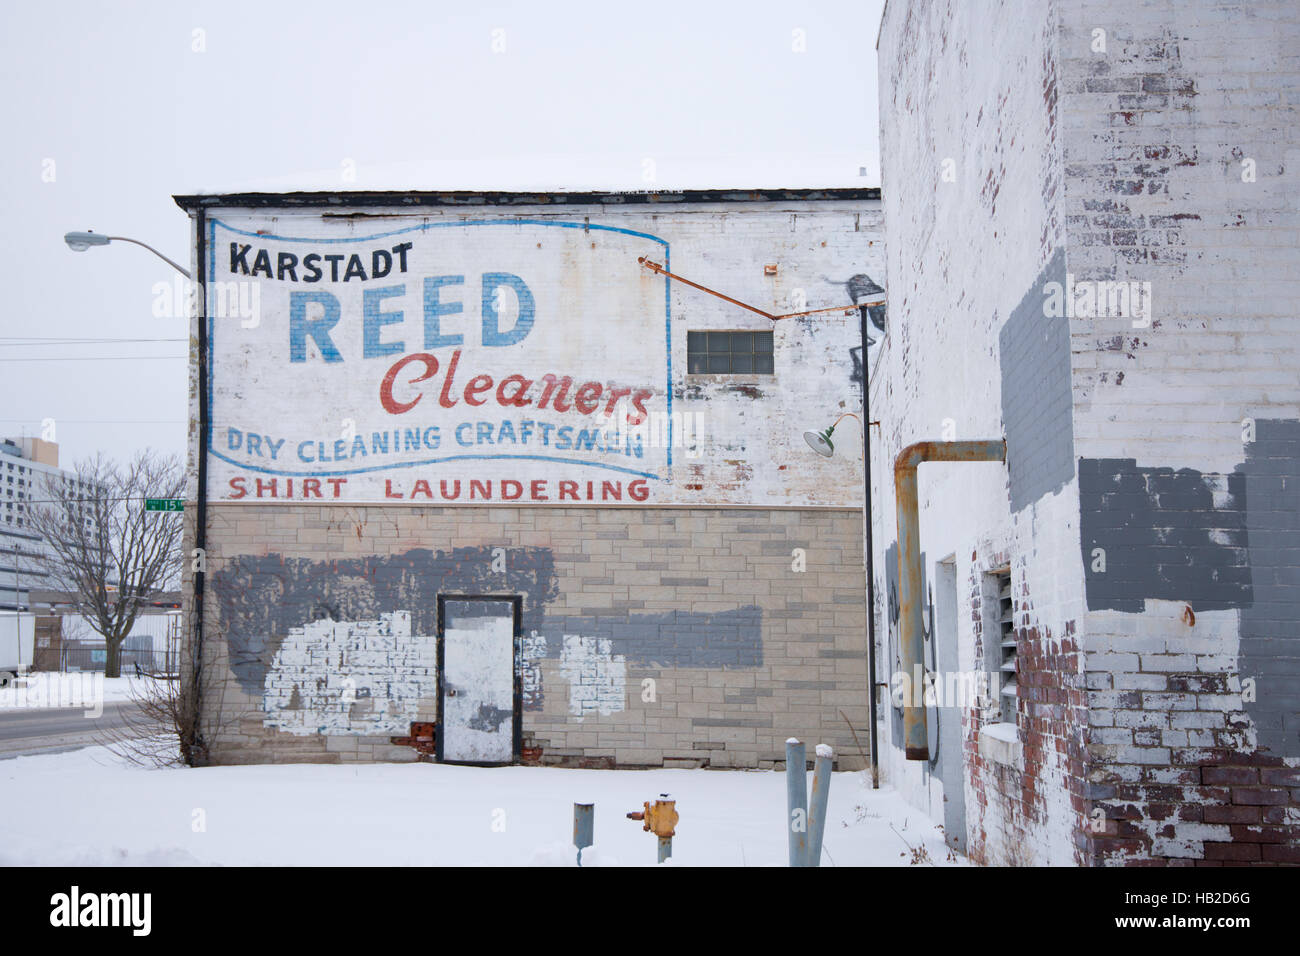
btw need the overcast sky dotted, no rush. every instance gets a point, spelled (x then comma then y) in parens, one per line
(111, 108)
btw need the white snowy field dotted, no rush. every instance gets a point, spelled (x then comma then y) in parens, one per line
(126, 688)
(90, 808)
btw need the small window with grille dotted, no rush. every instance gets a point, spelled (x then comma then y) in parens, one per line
(729, 353)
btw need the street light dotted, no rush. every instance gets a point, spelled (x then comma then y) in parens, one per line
(81, 241)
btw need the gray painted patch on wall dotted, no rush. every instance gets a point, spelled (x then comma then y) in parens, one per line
(1270, 624)
(674, 638)
(1216, 541)
(1037, 397)
(261, 597)
(1165, 534)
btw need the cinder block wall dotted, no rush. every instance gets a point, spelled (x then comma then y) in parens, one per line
(666, 636)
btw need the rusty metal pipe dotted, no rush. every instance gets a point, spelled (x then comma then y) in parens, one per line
(821, 794)
(915, 733)
(657, 269)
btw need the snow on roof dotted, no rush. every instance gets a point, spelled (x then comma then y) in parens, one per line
(561, 174)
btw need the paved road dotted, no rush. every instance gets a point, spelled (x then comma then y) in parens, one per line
(36, 731)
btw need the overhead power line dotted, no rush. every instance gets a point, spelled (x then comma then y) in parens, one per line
(29, 340)
(99, 358)
(97, 421)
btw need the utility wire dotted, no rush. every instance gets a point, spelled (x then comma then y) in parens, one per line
(99, 358)
(29, 340)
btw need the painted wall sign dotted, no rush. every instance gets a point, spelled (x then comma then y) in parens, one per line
(524, 359)
(502, 360)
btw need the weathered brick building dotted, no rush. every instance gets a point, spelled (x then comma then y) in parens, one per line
(1091, 225)
(477, 482)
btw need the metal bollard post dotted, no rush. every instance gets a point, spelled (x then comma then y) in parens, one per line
(584, 826)
(821, 792)
(796, 801)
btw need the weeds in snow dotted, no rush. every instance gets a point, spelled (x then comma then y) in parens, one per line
(861, 813)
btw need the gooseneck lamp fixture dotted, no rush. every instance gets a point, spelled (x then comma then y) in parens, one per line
(820, 442)
(81, 241)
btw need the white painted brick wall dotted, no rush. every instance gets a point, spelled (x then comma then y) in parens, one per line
(1130, 159)
(1158, 130)
(961, 252)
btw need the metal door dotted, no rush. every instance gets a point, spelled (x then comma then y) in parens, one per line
(478, 683)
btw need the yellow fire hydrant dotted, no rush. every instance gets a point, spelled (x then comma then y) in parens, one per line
(661, 819)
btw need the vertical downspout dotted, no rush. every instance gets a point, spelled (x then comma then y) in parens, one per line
(916, 740)
(197, 747)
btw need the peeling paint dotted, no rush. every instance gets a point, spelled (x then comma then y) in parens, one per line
(597, 677)
(350, 677)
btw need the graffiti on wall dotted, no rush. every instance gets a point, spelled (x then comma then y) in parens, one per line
(860, 287)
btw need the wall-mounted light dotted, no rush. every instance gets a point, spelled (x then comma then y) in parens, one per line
(820, 442)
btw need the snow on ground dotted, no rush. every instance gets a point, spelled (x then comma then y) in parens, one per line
(90, 808)
(126, 688)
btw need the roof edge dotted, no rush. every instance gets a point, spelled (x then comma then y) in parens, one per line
(416, 199)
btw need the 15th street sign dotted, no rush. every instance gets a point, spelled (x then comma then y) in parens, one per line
(164, 504)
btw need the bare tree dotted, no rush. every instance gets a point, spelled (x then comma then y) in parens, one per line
(162, 729)
(103, 548)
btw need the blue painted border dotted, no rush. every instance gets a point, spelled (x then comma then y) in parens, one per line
(424, 227)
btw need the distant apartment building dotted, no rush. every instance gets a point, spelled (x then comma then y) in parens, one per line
(24, 465)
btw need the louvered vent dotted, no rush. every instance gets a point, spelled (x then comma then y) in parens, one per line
(1007, 637)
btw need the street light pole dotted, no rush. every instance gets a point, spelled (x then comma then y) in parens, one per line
(869, 557)
(81, 241)
(822, 444)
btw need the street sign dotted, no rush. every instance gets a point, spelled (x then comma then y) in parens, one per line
(164, 504)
